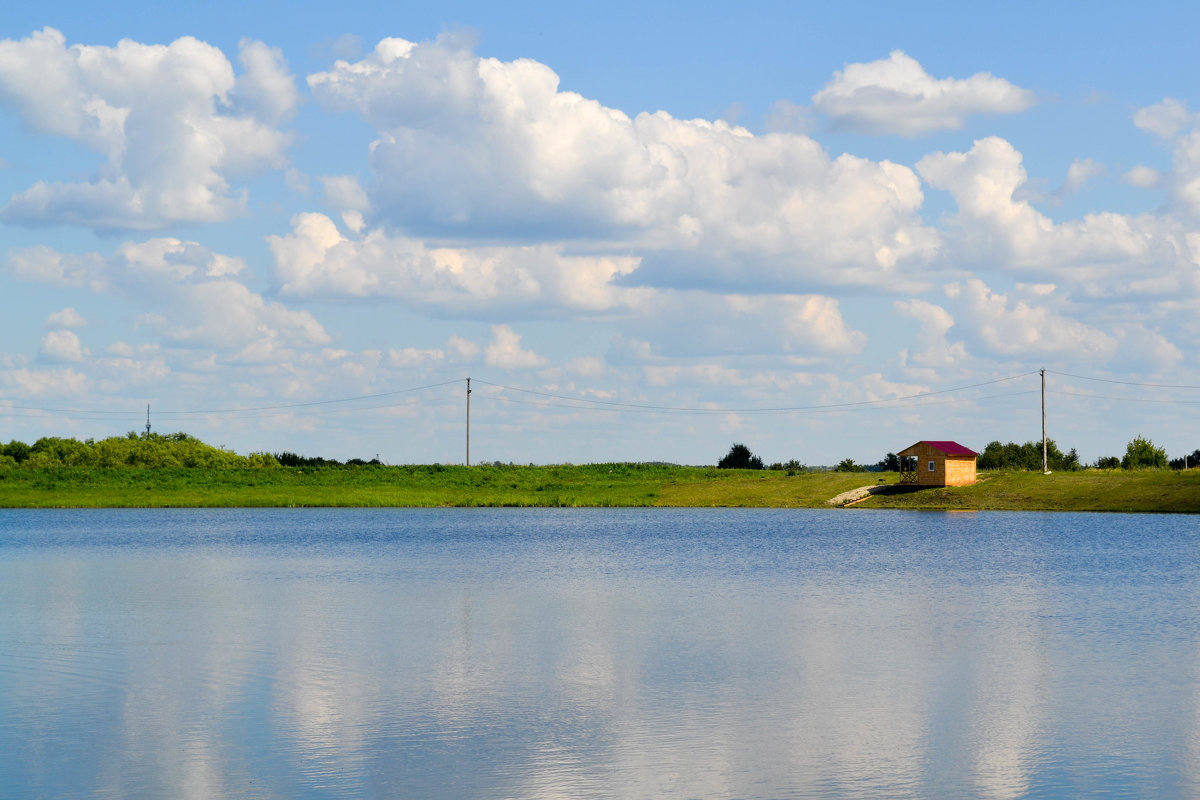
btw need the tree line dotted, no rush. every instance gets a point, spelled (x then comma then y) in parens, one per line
(1140, 453)
(149, 450)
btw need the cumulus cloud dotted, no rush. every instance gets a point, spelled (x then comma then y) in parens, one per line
(694, 323)
(932, 349)
(896, 95)
(173, 123)
(316, 259)
(1079, 173)
(43, 382)
(67, 318)
(62, 346)
(415, 357)
(196, 301)
(1166, 118)
(1142, 176)
(477, 147)
(1102, 255)
(1019, 328)
(505, 351)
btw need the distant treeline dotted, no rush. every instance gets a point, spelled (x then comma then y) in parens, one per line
(149, 450)
(131, 450)
(287, 459)
(1027, 456)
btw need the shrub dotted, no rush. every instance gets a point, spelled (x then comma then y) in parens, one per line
(1141, 453)
(740, 457)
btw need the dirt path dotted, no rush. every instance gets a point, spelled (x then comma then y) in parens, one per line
(855, 495)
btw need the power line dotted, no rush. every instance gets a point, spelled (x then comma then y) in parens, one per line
(777, 410)
(1127, 399)
(813, 409)
(1124, 383)
(235, 410)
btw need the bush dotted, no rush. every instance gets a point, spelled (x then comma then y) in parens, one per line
(1141, 453)
(17, 451)
(740, 457)
(1108, 462)
(1027, 456)
(848, 465)
(135, 450)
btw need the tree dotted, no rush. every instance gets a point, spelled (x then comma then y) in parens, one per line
(848, 465)
(740, 457)
(17, 451)
(1026, 456)
(1141, 453)
(1108, 462)
(890, 463)
(1190, 461)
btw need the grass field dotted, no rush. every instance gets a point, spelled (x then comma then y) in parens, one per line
(595, 485)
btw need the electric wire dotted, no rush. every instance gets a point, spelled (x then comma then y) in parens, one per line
(160, 413)
(1124, 383)
(814, 409)
(776, 410)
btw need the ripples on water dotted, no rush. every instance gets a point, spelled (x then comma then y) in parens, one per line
(589, 653)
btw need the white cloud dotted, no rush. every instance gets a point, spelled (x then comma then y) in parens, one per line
(67, 318)
(1172, 120)
(345, 193)
(316, 260)
(265, 89)
(50, 382)
(586, 366)
(694, 323)
(1021, 329)
(1142, 177)
(897, 95)
(196, 301)
(505, 352)
(1079, 173)
(46, 265)
(172, 122)
(63, 346)
(932, 349)
(415, 357)
(1102, 255)
(1166, 118)
(478, 147)
(461, 349)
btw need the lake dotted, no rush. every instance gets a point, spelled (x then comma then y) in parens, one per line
(594, 653)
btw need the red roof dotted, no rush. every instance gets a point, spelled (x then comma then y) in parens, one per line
(951, 448)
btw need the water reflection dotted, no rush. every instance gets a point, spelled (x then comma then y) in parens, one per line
(749, 654)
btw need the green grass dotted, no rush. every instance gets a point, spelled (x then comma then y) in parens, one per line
(594, 485)
(1090, 490)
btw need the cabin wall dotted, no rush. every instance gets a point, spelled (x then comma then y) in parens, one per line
(925, 477)
(960, 470)
(947, 470)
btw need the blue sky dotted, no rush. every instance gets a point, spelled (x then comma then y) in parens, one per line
(645, 232)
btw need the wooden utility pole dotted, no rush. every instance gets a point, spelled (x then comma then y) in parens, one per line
(1045, 467)
(468, 422)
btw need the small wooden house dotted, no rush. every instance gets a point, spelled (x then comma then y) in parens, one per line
(937, 464)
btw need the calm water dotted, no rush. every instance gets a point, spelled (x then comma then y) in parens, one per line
(596, 653)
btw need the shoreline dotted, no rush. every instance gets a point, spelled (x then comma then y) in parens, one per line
(584, 486)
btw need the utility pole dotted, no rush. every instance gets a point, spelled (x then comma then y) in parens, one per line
(1045, 467)
(147, 419)
(468, 422)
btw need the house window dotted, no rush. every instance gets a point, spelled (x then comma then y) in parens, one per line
(931, 463)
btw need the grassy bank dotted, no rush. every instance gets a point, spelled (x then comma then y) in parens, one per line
(1165, 491)
(594, 485)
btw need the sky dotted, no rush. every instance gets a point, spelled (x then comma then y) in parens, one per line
(643, 231)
